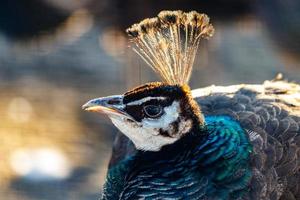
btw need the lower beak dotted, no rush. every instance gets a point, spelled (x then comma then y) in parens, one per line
(111, 105)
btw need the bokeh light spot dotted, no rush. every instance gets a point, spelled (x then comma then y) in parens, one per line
(19, 110)
(40, 164)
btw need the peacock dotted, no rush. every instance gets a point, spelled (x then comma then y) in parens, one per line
(214, 143)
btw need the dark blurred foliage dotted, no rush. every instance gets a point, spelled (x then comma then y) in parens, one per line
(282, 18)
(122, 13)
(21, 19)
(26, 19)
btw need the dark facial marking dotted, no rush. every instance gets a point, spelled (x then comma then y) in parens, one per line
(175, 128)
(137, 111)
(164, 133)
(175, 125)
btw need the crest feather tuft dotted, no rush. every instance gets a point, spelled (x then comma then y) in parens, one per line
(168, 43)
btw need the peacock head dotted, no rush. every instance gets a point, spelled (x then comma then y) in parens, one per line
(152, 115)
(158, 114)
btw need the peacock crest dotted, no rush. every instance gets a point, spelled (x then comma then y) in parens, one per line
(168, 43)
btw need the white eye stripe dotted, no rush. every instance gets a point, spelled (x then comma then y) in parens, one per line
(141, 101)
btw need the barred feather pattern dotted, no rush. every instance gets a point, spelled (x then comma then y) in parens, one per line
(270, 113)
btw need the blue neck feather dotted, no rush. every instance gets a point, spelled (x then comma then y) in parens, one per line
(213, 164)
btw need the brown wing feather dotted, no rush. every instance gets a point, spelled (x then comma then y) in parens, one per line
(271, 115)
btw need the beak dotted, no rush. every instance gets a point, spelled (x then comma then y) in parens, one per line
(111, 105)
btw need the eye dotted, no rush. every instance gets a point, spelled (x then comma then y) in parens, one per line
(153, 111)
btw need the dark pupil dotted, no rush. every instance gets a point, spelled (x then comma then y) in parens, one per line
(152, 110)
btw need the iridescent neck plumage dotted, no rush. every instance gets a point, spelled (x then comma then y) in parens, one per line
(213, 163)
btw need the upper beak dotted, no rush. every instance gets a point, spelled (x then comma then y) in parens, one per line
(112, 105)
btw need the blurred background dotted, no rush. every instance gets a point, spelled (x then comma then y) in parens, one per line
(57, 54)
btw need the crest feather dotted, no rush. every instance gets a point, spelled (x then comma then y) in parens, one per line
(168, 43)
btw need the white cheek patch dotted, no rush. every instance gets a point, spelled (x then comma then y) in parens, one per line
(142, 138)
(146, 136)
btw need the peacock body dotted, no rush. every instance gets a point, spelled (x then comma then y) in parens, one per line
(215, 143)
(268, 115)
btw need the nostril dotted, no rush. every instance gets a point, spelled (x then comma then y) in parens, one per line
(113, 101)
